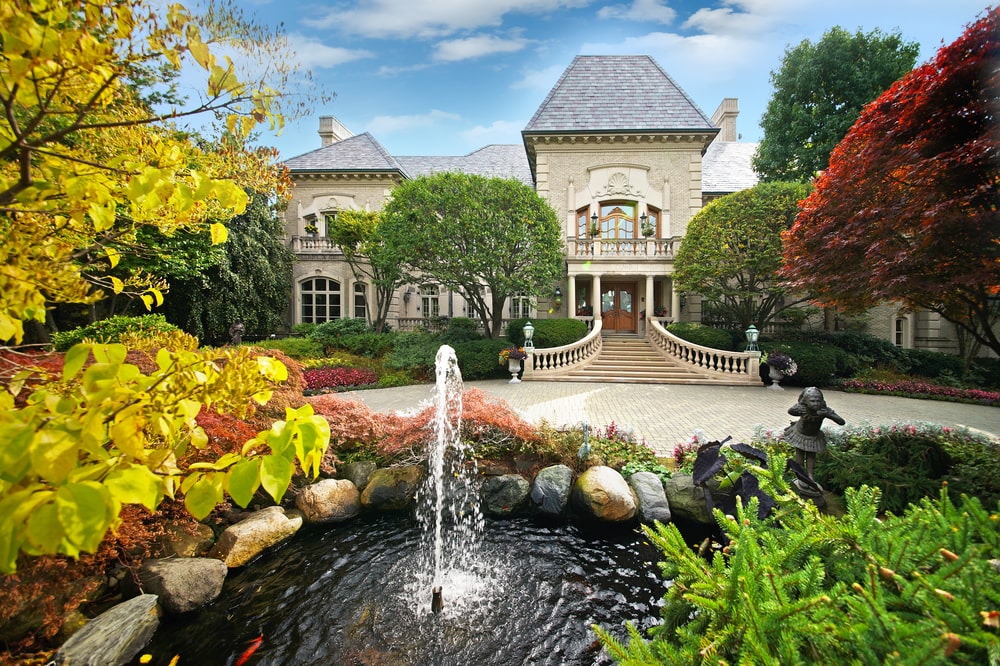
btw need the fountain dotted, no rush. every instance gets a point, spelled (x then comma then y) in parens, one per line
(501, 592)
(448, 504)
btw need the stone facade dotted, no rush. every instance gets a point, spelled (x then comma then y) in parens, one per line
(653, 162)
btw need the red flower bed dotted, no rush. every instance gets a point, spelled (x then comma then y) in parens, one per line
(915, 389)
(320, 379)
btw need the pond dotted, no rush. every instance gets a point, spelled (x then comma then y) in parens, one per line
(359, 593)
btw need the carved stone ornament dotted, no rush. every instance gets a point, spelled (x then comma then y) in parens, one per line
(618, 183)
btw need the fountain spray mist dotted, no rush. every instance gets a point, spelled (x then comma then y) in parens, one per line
(449, 507)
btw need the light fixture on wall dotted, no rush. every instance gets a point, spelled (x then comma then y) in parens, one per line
(558, 298)
(406, 295)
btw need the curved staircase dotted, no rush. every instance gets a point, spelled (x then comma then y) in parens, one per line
(633, 360)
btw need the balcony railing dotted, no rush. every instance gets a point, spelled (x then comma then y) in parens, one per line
(313, 245)
(630, 248)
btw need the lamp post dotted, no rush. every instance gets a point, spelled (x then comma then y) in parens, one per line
(752, 334)
(529, 330)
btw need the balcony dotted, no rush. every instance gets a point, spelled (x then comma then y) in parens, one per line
(314, 245)
(621, 248)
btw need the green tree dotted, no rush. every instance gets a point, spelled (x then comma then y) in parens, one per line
(907, 210)
(487, 238)
(250, 281)
(359, 235)
(732, 252)
(819, 91)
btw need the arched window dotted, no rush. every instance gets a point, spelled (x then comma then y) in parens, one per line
(618, 220)
(320, 299)
(430, 303)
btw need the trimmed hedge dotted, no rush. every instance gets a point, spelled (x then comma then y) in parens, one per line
(819, 365)
(706, 336)
(548, 332)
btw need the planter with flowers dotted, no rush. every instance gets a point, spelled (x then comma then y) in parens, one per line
(779, 366)
(312, 230)
(512, 357)
(585, 311)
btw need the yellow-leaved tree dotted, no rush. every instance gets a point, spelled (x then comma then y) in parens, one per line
(85, 161)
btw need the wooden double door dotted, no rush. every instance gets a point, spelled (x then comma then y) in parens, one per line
(618, 313)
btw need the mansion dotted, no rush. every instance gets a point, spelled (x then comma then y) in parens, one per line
(625, 171)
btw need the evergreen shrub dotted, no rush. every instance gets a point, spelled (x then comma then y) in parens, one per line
(372, 345)
(460, 329)
(548, 332)
(818, 364)
(706, 336)
(797, 586)
(985, 373)
(110, 330)
(868, 350)
(932, 364)
(910, 461)
(477, 359)
(415, 353)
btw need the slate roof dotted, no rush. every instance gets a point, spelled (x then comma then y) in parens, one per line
(493, 161)
(616, 93)
(726, 167)
(359, 153)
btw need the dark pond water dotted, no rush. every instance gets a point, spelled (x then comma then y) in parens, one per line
(353, 594)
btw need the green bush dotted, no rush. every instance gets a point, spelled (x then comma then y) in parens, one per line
(925, 363)
(297, 348)
(303, 329)
(548, 332)
(414, 352)
(394, 379)
(911, 461)
(706, 336)
(110, 329)
(477, 359)
(460, 329)
(801, 587)
(818, 364)
(372, 345)
(867, 350)
(985, 373)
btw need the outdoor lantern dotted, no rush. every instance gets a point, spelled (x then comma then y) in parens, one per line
(752, 334)
(642, 219)
(558, 298)
(529, 331)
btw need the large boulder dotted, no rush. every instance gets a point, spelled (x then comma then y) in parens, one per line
(550, 492)
(184, 583)
(601, 493)
(357, 472)
(687, 500)
(392, 488)
(243, 541)
(505, 495)
(186, 539)
(653, 503)
(329, 501)
(115, 636)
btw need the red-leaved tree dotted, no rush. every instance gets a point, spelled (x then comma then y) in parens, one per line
(907, 210)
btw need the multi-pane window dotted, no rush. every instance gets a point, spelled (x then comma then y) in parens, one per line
(328, 221)
(583, 222)
(520, 306)
(360, 300)
(653, 220)
(320, 300)
(430, 303)
(618, 220)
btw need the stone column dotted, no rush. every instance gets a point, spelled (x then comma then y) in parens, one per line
(675, 302)
(571, 295)
(596, 297)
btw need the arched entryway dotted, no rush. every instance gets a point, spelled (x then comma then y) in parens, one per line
(618, 313)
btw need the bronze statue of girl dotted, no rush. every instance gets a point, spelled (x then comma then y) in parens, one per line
(805, 435)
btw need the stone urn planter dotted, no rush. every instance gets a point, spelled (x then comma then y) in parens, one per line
(776, 377)
(514, 366)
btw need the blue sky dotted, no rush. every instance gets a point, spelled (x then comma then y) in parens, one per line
(446, 77)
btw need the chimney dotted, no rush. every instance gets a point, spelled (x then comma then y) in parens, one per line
(332, 131)
(725, 119)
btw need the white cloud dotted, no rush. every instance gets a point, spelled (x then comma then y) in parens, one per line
(475, 47)
(428, 18)
(500, 131)
(312, 53)
(392, 124)
(386, 70)
(647, 11)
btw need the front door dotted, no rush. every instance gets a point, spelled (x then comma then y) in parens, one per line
(618, 307)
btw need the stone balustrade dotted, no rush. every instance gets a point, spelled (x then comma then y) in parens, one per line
(725, 364)
(553, 361)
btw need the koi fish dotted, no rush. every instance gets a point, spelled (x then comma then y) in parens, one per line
(254, 644)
